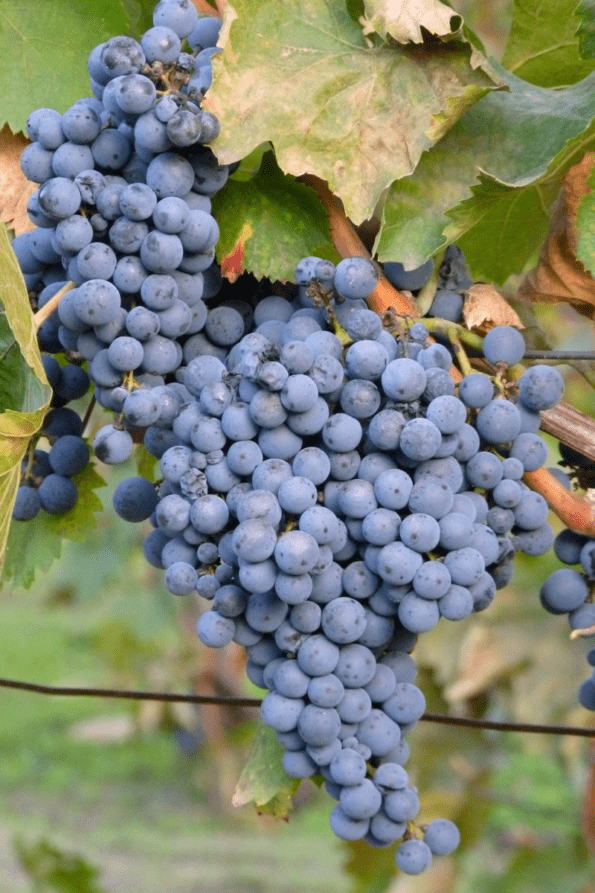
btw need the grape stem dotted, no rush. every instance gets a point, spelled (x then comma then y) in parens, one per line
(576, 511)
(46, 311)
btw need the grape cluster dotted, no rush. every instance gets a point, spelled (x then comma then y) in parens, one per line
(122, 212)
(569, 591)
(325, 486)
(332, 500)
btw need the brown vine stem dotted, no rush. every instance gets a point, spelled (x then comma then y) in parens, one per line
(226, 701)
(46, 311)
(575, 511)
(348, 244)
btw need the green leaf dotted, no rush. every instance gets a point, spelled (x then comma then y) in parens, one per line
(44, 45)
(140, 16)
(499, 228)
(543, 45)
(269, 221)
(527, 137)
(302, 76)
(146, 464)
(263, 780)
(370, 870)
(585, 224)
(20, 389)
(586, 30)
(34, 545)
(52, 869)
(404, 21)
(537, 787)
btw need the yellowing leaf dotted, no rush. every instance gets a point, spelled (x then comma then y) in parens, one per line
(24, 392)
(302, 76)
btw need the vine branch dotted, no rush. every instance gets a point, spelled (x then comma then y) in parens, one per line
(226, 701)
(348, 244)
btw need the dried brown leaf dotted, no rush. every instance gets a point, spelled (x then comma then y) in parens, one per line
(559, 275)
(15, 189)
(485, 307)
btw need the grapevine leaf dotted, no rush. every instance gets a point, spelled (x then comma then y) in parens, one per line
(303, 76)
(524, 138)
(140, 17)
(263, 780)
(44, 45)
(34, 545)
(24, 392)
(510, 221)
(17, 309)
(585, 222)
(50, 868)
(543, 44)
(404, 19)
(370, 870)
(145, 463)
(268, 221)
(15, 189)
(586, 29)
(484, 304)
(560, 274)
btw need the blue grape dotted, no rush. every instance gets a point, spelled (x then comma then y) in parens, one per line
(418, 614)
(442, 837)
(111, 149)
(27, 504)
(447, 304)
(57, 494)
(530, 450)
(404, 379)
(503, 344)
(205, 33)
(413, 856)
(355, 278)
(540, 387)
(564, 591)
(69, 455)
(135, 499)
(112, 446)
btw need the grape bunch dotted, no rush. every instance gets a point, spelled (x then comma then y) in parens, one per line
(122, 212)
(333, 499)
(326, 488)
(569, 591)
